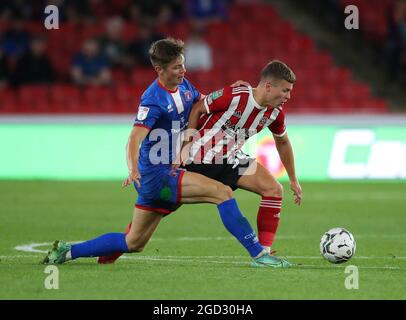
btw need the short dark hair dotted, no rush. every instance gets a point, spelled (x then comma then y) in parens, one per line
(164, 51)
(278, 70)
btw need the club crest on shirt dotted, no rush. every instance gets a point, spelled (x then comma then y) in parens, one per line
(188, 95)
(142, 113)
(170, 109)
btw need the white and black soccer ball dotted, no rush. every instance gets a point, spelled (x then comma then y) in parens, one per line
(337, 245)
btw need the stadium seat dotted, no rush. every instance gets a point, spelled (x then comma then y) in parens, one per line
(34, 98)
(97, 99)
(8, 101)
(143, 77)
(127, 97)
(65, 98)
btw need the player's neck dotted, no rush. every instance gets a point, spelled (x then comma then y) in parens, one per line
(259, 98)
(167, 86)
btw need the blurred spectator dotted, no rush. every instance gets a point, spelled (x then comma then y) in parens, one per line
(90, 66)
(155, 12)
(395, 44)
(77, 10)
(15, 40)
(34, 66)
(207, 10)
(138, 49)
(198, 54)
(4, 72)
(112, 43)
(11, 8)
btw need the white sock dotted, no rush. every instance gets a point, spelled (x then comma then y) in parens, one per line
(268, 249)
(68, 256)
(263, 252)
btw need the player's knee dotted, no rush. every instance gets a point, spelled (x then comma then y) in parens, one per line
(272, 190)
(225, 192)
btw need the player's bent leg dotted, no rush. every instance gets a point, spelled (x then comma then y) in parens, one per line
(114, 256)
(143, 226)
(264, 184)
(197, 188)
(105, 244)
(146, 222)
(261, 182)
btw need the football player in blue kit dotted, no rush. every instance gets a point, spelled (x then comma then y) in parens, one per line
(162, 116)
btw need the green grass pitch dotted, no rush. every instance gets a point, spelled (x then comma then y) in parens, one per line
(191, 255)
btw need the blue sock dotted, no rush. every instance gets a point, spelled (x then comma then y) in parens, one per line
(101, 246)
(239, 226)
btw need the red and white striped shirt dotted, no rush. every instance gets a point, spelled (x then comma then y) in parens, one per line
(232, 117)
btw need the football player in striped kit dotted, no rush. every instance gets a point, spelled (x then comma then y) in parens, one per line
(225, 119)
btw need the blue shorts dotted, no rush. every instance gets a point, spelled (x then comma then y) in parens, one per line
(160, 190)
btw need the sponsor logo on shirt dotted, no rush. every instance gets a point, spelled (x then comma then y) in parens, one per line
(217, 94)
(170, 109)
(237, 114)
(209, 99)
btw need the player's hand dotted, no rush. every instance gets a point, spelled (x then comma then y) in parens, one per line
(178, 161)
(297, 191)
(134, 176)
(240, 83)
(182, 156)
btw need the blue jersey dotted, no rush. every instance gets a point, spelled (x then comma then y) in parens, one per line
(165, 114)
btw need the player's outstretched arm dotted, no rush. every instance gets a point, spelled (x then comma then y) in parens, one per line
(285, 151)
(197, 111)
(135, 139)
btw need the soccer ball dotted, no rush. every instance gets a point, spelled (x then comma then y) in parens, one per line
(337, 245)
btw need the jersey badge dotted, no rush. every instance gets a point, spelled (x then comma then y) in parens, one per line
(142, 113)
(188, 95)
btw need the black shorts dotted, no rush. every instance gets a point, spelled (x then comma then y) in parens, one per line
(224, 173)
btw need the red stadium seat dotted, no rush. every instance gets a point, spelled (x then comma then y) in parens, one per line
(127, 98)
(98, 99)
(143, 77)
(65, 98)
(8, 100)
(35, 98)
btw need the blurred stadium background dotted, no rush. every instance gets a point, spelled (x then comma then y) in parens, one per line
(94, 68)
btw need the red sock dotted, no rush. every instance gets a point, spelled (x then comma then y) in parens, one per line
(268, 219)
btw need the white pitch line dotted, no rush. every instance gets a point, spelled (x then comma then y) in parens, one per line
(246, 263)
(203, 259)
(221, 257)
(377, 196)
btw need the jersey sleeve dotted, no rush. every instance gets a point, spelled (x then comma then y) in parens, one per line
(147, 116)
(219, 100)
(278, 127)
